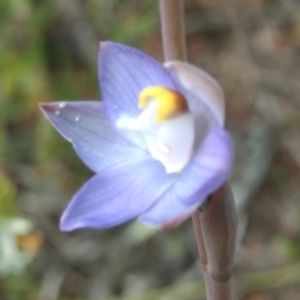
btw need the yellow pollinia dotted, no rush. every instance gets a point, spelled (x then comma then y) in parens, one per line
(169, 103)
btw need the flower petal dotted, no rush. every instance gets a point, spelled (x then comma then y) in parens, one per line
(201, 85)
(86, 127)
(168, 211)
(123, 73)
(208, 170)
(115, 196)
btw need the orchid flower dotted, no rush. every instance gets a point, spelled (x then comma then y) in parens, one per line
(156, 141)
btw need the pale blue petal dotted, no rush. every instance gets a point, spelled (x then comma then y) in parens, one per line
(209, 168)
(85, 125)
(201, 92)
(115, 196)
(207, 171)
(196, 84)
(168, 211)
(123, 73)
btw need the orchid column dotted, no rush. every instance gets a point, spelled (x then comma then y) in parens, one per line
(216, 224)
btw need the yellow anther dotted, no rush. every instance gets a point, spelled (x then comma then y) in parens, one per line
(169, 103)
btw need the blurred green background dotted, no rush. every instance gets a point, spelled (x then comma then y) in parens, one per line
(48, 52)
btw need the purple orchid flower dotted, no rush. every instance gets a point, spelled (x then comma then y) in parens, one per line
(156, 141)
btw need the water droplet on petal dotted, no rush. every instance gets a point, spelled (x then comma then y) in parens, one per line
(57, 112)
(77, 118)
(62, 104)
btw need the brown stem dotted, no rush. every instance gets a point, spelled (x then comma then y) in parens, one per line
(217, 290)
(199, 237)
(173, 29)
(219, 228)
(173, 37)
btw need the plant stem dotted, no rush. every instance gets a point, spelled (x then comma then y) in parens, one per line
(219, 230)
(217, 290)
(174, 45)
(199, 237)
(173, 30)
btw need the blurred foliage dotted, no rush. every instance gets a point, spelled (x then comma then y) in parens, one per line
(19, 286)
(7, 196)
(48, 52)
(41, 61)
